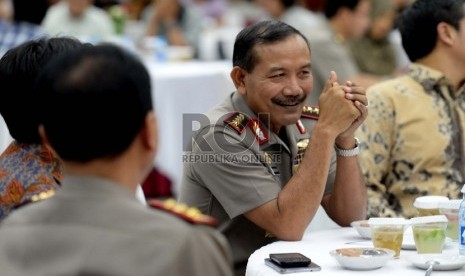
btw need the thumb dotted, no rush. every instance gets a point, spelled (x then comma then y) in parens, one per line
(332, 81)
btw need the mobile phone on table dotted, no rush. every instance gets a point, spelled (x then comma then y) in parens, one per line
(290, 259)
(291, 263)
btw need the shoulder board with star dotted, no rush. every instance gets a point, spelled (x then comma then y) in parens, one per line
(36, 198)
(238, 121)
(186, 213)
(311, 112)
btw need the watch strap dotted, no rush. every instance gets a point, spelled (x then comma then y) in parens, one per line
(349, 152)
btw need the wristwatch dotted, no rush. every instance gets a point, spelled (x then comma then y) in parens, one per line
(348, 153)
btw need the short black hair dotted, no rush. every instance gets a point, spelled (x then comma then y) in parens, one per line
(95, 100)
(332, 6)
(263, 32)
(418, 24)
(19, 68)
(288, 3)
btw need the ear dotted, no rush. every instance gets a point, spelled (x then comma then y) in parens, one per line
(43, 135)
(149, 133)
(446, 33)
(238, 76)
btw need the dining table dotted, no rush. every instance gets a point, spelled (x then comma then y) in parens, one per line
(317, 246)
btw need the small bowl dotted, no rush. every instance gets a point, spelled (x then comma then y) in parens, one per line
(363, 228)
(362, 258)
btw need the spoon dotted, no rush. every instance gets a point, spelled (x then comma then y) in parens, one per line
(373, 252)
(431, 263)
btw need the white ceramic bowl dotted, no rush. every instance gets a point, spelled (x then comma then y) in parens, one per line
(362, 258)
(362, 228)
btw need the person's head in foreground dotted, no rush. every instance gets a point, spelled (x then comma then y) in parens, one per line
(19, 69)
(104, 96)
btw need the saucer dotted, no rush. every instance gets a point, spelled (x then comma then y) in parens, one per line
(362, 258)
(446, 261)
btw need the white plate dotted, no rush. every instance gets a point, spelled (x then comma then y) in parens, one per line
(446, 261)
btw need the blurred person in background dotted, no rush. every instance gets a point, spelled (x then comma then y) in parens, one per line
(212, 9)
(31, 11)
(5, 10)
(413, 140)
(180, 24)
(292, 13)
(137, 7)
(314, 5)
(105, 4)
(19, 22)
(78, 18)
(401, 5)
(94, 225)
(345, 20)
(27, 167)
(374, 53)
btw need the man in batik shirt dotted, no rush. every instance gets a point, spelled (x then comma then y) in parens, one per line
(413, 140)
(27, 167)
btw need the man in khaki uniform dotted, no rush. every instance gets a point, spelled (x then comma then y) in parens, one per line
(95, 225)
(261, 166)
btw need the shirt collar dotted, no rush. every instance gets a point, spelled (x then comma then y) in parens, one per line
(240, 105)
(428, 78)
(47, 156)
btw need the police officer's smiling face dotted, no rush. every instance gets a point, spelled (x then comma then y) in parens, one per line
(280, 81)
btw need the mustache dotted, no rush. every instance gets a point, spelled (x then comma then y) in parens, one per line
(290, 100)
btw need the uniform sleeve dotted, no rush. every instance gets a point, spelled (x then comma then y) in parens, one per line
(377, 138)
(232, 172)
(206, 253)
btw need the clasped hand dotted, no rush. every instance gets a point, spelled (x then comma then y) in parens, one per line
(343, 108)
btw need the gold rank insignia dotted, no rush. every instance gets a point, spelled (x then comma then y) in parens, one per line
(301, 127)
(35, 198)
(269, 235)
(311, 112)
(301, 148)
(257, 130)
(267, 158)
(189, 214)
(238, 121)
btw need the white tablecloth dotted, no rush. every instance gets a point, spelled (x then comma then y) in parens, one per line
(317, 245)
(182, 88)
(5, 137)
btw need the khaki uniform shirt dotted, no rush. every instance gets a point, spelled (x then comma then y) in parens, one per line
(228, 172)
(96, 227)
(412, 141)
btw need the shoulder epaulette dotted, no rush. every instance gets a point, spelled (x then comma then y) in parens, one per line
(312, 112)
(189, 214)
(258, 131)
(35, 198)
(238, 121)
